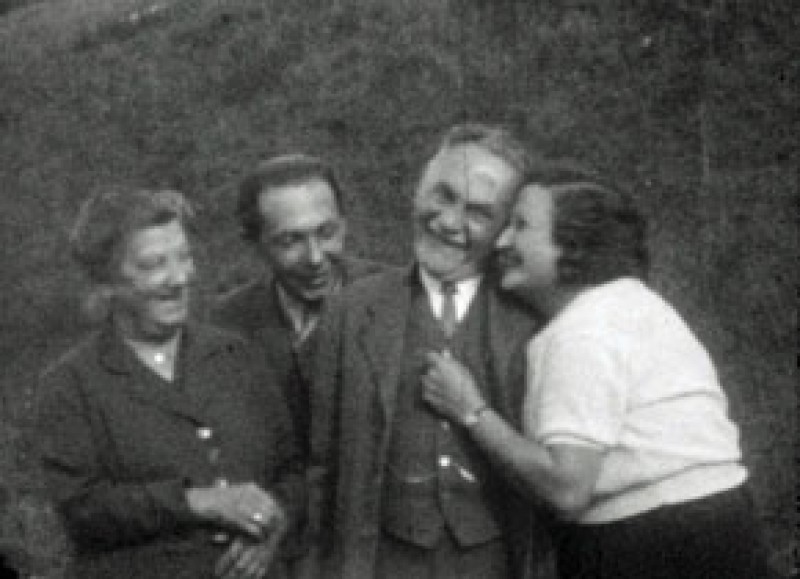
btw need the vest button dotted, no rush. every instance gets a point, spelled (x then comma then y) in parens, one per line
(204, 433)
(444, 461)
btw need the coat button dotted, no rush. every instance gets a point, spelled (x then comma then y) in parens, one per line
(204, 433)
(444, 461)
(213, 455)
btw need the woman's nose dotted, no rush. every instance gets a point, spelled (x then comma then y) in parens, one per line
(181, 272)
(505, 239)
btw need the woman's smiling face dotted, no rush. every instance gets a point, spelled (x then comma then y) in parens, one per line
(151, 296)
(527, 254)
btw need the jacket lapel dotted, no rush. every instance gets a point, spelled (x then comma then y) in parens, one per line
(200, 384)
(188, 401)
(510, 327)
(382, 335)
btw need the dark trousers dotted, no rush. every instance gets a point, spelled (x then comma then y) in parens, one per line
(6, 571)
(710, 538)
(398, 559)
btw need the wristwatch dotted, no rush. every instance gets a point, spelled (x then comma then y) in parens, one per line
(472, 418)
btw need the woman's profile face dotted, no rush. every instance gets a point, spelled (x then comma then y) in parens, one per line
(156, 272)
(527, 254)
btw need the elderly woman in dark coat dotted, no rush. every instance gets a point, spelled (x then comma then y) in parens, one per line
(166, 448)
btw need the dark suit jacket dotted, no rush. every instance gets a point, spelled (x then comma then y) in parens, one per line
(354, 393)
(254, 310)
(119, 447)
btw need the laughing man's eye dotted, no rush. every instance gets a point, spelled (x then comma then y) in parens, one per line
(446, 194)
(482, 212)
(150, 262)
(328, 230)
(185, 256)
(286, 239)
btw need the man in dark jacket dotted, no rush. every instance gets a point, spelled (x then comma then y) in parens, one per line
(400, 491)
(291, 209)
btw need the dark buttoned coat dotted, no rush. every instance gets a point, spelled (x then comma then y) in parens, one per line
(356, 376)
(119, 448)
(254, 310)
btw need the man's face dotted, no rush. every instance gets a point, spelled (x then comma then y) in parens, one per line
(152, 290)
(527, 255)
(460, 207)
(303, 237)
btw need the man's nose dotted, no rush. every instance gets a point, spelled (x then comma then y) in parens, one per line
(451, 218)
(314, 251)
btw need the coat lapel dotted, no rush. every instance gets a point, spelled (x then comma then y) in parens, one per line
(382, 335)
(510, 327)
(188, 401)
(200, 386)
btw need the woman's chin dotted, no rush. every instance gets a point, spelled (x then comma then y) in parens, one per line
(163, 329)
(511, 282)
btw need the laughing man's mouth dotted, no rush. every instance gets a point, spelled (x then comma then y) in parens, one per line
(449, 241)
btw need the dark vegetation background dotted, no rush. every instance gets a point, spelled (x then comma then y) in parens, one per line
(691, 104)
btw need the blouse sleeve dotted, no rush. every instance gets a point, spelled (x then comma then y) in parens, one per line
(582, 391)
(98, 513)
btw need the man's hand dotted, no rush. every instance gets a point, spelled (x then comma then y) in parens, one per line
(245, 559)
(448, 386)
(244, 507)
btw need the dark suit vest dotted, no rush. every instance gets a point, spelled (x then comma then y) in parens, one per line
(436, 479)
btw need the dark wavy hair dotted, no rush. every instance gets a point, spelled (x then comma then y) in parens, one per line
(108, 218)
(279, 171)
(598, 227)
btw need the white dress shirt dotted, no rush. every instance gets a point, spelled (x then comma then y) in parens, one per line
(464, 294)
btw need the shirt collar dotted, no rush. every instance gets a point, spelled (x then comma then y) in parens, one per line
(302, 316)
(466, 289)
(294, 308)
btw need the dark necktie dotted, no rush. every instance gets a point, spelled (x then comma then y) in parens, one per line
(449, 319)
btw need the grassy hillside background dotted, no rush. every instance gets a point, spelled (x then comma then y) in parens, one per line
(689, 104)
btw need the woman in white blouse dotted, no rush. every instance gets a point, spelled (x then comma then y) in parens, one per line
(625, 427)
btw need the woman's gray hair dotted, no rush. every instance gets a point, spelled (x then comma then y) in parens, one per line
(106, 221)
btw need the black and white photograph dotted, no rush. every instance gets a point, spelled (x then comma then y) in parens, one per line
(399, 289)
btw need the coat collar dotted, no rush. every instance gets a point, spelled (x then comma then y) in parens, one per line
(510, 326)
(198, 345)
(269, 303)
(383, 329)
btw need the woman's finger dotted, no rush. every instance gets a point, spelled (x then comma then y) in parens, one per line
(227, 561)
(250, 564)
